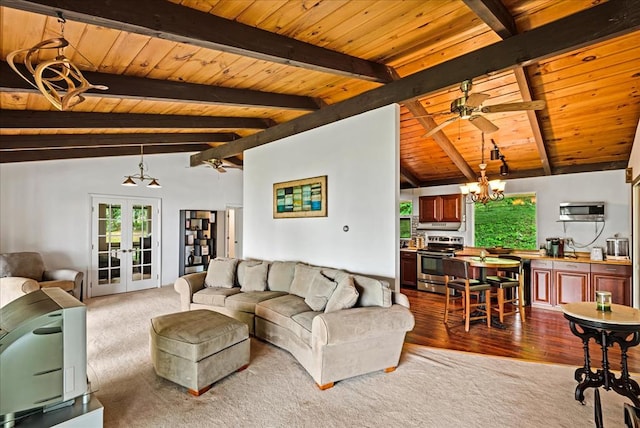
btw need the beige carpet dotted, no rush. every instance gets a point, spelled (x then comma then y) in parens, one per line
(430, 388)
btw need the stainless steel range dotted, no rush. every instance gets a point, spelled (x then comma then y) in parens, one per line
(430, 274)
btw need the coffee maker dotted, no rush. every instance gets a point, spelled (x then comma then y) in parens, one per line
(555, 247)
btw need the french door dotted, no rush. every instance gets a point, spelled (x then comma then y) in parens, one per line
(125, 245)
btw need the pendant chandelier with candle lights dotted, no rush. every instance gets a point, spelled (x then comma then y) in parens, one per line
(484, 190)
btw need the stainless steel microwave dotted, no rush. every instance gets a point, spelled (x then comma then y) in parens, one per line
(581, 211)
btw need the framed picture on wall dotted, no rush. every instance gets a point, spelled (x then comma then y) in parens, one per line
(300, 198)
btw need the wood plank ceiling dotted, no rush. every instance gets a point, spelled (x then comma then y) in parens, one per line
(219, 76)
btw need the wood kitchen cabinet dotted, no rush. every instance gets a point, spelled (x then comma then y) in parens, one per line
(555, 283)
(613, 278)
(541, 280)
(440, 208)
(408, 268)
(572, 282)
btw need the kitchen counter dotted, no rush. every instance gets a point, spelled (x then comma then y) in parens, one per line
(582, 257)
(409, 249)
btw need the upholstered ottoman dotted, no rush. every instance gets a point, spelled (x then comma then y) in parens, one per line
(197, 348)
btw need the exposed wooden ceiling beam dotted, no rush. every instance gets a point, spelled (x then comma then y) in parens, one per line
(409, 176)
(42, 141)
(495, 15)
(602, 22)
(94, 152)
(129, 87)
(178, 23)
(31, 119)
(498, 18)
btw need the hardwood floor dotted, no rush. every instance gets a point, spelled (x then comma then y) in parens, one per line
(544, 337)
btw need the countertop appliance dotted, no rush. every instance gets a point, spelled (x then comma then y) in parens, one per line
(618, 248)
(582, 211)
(555, 247)
(430, 273)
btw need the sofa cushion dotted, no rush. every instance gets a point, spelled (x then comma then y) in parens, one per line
(241, 269)
(305, 321)
(246, 302)
(302, 279)
(345, 295)
(221, 272)
(255, 277)
(214, 296)
(372, 292)
(335, 274)
(281, 311)
(25, 265)
(319, 291)
(281, 275)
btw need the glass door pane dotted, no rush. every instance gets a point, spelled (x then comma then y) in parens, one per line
(142, 257)
(109, 242)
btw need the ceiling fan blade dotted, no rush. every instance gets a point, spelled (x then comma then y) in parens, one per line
(474, 100)
(439, 127)
(526, 105)
(221, 169)
(483, 124)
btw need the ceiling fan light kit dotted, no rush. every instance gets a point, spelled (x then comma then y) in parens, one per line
(469, 107)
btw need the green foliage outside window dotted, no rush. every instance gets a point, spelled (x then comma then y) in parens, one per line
(406, 208)
(510, 222)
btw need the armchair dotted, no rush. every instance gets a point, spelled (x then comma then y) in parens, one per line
(23, 273)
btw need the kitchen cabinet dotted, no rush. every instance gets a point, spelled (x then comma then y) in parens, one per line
(409, 268)
(572, 282)
(541, 280)
(613, 278)
(440, 208)
(556, 282)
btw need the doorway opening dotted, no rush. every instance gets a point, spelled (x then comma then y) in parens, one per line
(233, 232)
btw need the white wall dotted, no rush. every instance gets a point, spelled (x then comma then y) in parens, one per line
(359, 156)
(607, 186)
(46, 206)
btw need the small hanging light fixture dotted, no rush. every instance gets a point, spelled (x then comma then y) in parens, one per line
(130, 179)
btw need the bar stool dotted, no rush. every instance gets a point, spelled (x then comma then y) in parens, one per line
(512, 281)
(457, 278)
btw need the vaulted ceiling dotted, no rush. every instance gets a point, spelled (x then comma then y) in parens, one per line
(217, 77)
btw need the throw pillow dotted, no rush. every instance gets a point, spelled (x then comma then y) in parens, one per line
(221, 273)
(302, 279)
(255, 277)
(373, 292)
(240, 270)
(281, 275)
(320, 290)
(344, 297)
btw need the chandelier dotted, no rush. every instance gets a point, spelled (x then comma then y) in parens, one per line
(130, 179)
(58, 79)
(484, 190)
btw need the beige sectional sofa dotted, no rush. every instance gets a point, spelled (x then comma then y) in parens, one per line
(337, 325)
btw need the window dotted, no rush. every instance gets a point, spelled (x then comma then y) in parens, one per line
(405, 228)
(510, 223)
(406, 208)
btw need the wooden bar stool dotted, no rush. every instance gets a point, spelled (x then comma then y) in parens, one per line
(512, 281)
(457, 278)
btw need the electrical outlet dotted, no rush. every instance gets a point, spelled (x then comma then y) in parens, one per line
(569, 241)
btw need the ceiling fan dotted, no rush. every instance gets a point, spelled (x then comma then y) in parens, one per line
(469, 106)
(220, 165)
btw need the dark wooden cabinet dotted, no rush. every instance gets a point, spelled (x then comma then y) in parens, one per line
(197, 240)
(445, 208)
(613, 278)
(408, 268)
